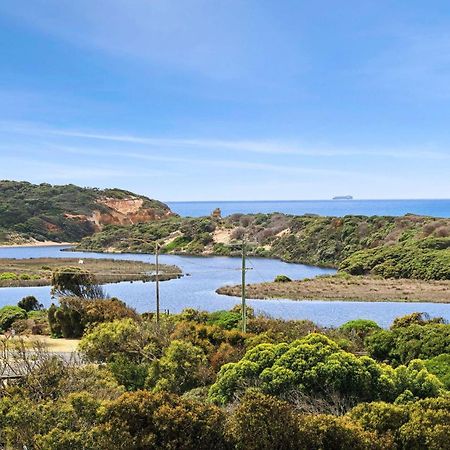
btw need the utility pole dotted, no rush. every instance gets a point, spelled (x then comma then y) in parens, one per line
(157, 280)
(243, 307)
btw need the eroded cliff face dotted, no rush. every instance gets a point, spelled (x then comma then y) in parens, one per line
(126, 211)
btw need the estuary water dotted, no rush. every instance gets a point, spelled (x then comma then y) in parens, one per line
(435, 208)
(203, 275)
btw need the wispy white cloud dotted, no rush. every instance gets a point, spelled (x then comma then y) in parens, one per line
(272, 147)
(32, 167)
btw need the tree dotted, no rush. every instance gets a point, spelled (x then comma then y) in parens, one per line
(74, 281)
(30, 303)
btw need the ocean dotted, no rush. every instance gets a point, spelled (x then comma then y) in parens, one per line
(435, 208)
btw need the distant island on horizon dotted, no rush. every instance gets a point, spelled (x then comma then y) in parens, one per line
(343, 197)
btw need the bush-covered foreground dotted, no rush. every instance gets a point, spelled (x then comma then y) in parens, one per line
(195, 381)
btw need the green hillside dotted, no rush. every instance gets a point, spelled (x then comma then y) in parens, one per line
(325, 241)
(68, 213)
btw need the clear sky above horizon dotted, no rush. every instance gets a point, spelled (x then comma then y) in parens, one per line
(228, 99)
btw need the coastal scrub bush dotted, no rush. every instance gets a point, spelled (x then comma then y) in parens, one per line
(224, 319)
(107, 340)
(74, 314)
(420, 425)
(9, 314)
(415, 318)
(142, 420)
(263, 422)
(403, 344)
(440, 366)
(427, 259)
(180, 369)
(8, 276)
(314, 364)
(360, 327)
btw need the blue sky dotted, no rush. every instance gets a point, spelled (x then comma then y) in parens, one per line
(228, 100)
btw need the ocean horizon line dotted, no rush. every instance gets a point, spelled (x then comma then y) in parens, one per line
(311, 200)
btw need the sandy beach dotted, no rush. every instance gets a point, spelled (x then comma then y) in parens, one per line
(37, 244)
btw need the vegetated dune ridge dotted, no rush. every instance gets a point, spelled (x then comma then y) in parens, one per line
(38, 271)
(351, 288)
(32, 213)
(392, 247)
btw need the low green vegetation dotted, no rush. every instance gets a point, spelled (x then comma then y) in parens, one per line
(74, 315)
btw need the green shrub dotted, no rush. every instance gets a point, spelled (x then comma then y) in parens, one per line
(179, 370)
(314, 364)
(403, 344)
(440, 366)
(75, 315)
(8, 276)
(282, 279)
(9, 314)
(420, 425)
(224, 319)
(263, 422)
(359, 327)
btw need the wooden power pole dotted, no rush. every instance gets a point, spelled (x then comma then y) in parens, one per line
(157, 280)
(243, 306)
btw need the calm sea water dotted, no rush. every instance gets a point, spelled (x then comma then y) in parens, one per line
(205, 275)
(436, 208)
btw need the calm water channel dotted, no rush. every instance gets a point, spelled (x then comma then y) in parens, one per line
(206, 274)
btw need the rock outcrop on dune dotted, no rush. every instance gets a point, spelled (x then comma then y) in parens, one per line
(126, 211)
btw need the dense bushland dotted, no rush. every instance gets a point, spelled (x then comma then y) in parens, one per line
(427, 259)
(284, 386)
(43, 211)
(408, 246)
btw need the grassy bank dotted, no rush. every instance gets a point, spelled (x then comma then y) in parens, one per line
(38, 271)
(351, 288)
